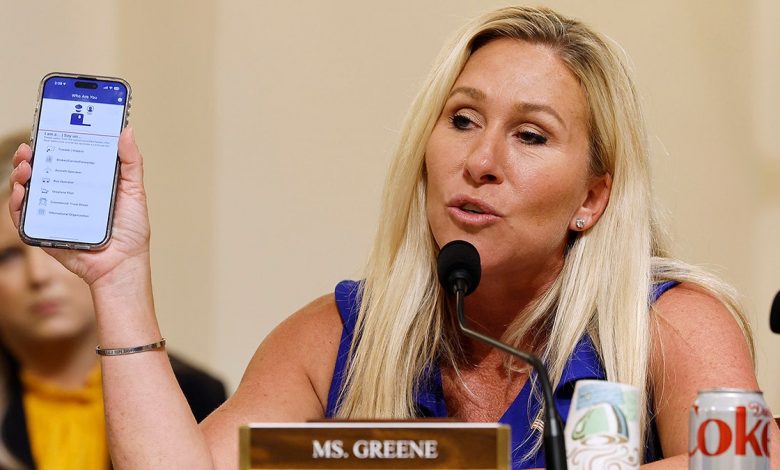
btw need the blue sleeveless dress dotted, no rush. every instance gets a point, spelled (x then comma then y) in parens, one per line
(584, 363)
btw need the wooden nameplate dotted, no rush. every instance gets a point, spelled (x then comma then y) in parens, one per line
(375, 445)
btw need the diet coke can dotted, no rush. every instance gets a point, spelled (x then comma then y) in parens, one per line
(729, 430)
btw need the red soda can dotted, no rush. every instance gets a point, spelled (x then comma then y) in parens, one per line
(729, 429)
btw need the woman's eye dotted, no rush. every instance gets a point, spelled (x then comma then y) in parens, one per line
(9, 254)
(460, 121)
(532, 138)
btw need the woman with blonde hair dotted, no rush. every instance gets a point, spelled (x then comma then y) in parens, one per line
(527, 140)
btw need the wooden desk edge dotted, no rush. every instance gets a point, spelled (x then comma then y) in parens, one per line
(243, 447)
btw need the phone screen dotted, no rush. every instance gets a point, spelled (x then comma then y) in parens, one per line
(70, 193)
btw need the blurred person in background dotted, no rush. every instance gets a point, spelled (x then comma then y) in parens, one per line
(51, 397)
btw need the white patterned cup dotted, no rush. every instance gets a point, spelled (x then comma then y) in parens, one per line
(602, 430)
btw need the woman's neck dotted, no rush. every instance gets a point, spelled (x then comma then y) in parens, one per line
(66, 362)
(503, 296)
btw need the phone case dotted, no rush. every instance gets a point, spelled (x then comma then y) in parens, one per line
(64, 243)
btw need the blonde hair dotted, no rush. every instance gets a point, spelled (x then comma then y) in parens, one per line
(604, 286)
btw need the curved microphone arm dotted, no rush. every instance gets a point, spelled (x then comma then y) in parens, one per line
(554, 444)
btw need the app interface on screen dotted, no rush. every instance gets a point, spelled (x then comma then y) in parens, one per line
(75, 160)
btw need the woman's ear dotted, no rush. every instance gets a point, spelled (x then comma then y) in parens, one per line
(594, 205)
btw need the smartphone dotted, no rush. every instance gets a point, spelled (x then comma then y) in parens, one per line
(69, 202)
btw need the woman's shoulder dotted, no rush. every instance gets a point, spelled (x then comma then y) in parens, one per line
(321, 313)
(698, 343)
(289, 376)
(690, 316)
(311, 337)
(687, 307)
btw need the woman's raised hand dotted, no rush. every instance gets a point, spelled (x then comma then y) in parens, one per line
(130, 234)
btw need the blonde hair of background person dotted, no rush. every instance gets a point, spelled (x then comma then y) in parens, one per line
(602, 289)
(402, 310)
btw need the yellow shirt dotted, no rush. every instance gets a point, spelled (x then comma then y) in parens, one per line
(67, 428)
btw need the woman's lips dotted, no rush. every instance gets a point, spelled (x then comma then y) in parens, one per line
(473, 204)
(471, 218)
(471, 211)
(46, 307)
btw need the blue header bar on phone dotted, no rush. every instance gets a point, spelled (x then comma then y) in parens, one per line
(64, 88)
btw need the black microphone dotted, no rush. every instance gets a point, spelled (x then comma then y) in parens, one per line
(774, 316)
(459, 272)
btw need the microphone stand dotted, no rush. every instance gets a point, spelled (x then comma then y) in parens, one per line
(554, 444)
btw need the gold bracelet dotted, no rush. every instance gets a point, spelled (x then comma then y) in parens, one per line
(137, 349)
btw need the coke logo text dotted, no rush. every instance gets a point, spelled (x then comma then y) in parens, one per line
(752, 441)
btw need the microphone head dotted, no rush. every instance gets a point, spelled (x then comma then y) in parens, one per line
(458, 263)
(774, 317)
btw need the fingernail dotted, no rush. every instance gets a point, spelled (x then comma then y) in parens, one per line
(131, 133)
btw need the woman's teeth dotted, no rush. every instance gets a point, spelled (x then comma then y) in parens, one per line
(472, 208)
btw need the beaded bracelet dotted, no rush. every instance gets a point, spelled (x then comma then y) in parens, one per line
(133, 350)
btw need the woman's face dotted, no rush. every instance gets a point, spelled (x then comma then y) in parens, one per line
(40, 300)
(507, 162)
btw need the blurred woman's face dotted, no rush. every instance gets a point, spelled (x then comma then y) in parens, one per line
(507, 161)
(40, 300)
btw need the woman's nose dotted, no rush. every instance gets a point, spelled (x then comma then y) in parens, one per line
(484, 162)
(40, 266)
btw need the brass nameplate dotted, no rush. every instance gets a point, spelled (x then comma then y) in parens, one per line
(375, 445)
